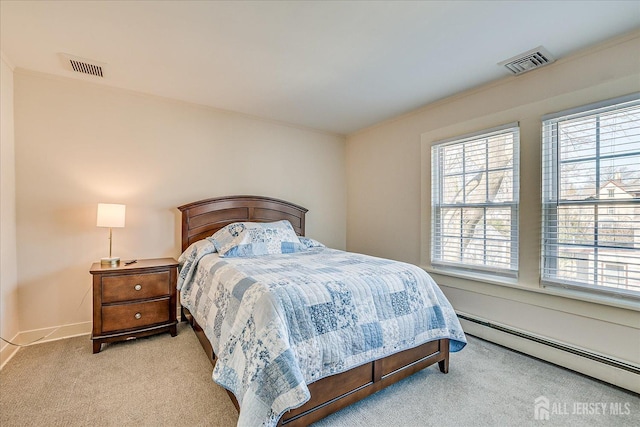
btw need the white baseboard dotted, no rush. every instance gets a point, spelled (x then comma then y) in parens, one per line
(592, 368)
(8, 351)
(34, 336)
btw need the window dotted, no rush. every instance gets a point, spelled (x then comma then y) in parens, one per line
(474, 201)
(591, 232)
(615, 274)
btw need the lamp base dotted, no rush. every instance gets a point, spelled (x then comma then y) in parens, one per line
(110, 262)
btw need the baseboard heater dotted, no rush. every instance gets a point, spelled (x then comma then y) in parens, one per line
(557, 345)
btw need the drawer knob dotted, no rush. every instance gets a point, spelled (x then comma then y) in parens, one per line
(137, 287)
(138, 315)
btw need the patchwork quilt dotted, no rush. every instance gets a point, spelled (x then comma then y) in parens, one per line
(280, 322)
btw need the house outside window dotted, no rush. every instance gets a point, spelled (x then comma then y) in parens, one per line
(474, 200)
(615, 274)
(591, 198)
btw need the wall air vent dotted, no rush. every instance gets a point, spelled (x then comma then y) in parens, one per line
(83, 65)
(527, 61)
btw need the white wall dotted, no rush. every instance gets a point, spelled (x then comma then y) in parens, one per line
(78, 144)
(8, 267)
(388, 182)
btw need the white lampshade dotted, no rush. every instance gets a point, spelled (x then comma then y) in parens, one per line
(110, 215)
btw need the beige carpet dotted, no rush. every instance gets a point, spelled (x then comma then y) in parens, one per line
(164, 381)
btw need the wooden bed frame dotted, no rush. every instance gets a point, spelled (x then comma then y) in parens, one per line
(328, 395)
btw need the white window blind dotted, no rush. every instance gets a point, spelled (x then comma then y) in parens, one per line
(474, 201)
(591, 197)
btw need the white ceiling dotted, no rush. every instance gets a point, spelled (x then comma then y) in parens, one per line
(337, 66)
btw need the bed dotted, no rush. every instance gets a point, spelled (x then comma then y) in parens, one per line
(336, 383)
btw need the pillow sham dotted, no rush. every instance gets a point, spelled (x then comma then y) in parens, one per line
(246, 239)
(310, 243)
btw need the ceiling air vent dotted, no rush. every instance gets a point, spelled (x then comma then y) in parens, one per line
(530, 60)
(83, 65)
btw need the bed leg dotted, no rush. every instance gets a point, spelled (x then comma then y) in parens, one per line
(444, 349)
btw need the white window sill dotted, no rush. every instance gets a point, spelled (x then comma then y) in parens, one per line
(613, 301)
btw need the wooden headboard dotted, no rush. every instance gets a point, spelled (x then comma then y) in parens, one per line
(201, 219)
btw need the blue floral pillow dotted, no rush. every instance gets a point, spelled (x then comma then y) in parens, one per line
(310, 243)
(246, 239)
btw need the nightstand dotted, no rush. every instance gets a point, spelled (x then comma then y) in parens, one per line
(136, 300)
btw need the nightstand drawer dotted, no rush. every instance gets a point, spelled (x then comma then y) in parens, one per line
(135, 286)
(132, 316)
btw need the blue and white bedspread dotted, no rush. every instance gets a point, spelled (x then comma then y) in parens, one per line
(279, 322)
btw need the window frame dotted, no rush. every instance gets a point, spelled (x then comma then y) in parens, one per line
(551, 188)
(437, 203)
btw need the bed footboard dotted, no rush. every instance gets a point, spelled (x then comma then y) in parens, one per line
(333, 393)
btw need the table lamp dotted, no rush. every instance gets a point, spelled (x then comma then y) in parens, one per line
(110, 215)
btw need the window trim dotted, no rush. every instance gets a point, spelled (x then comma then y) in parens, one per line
(593, 106)
(437, 182)
(550, 200)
